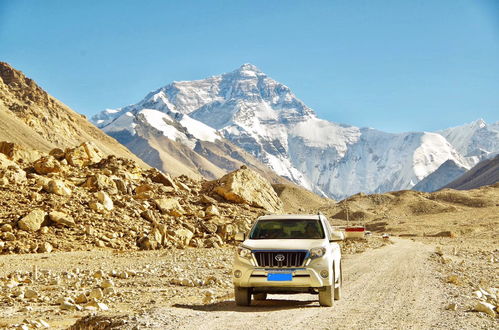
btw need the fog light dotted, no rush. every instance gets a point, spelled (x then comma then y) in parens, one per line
(238, 273)
(324, 273)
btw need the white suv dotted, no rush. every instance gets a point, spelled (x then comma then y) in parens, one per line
(288, 254)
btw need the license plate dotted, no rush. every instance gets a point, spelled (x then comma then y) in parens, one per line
(280, 277)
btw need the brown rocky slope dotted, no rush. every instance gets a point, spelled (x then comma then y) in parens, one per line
(29, 116)
(79, 199)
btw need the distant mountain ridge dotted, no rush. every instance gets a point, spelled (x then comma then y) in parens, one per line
(264, 117)
(484, 173)
(446, 173)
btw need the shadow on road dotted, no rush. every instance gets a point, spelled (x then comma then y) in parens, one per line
(256, 306)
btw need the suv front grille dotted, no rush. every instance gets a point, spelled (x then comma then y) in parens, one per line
(280, 258)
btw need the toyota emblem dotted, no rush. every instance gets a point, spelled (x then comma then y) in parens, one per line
(279, 257)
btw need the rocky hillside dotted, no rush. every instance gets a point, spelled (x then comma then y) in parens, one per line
(265, 118)
(446, 212)
(297, 200)
(484, 173)
(29, 116)
(79, 198)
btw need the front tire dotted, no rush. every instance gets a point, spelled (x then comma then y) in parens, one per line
(260, 296)
(326, 296)
(242, 295)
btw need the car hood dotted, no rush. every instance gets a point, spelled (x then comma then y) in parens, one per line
(283, 244)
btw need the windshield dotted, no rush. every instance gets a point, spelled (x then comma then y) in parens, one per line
(287, 229)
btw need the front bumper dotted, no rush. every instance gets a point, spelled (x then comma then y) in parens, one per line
(308, 276)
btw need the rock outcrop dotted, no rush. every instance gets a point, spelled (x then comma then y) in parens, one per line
(245, 186)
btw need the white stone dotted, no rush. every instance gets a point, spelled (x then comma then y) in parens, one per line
(105, 200)
(485, 308)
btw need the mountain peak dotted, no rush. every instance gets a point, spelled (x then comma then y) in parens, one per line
(479, 123)
(249, 67)
(247, 70)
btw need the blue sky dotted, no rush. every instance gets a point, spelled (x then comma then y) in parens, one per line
(393, 65)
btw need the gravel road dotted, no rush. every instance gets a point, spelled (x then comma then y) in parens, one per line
(394, 287)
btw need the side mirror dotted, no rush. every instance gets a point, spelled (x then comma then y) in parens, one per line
(240, 237)
(337, 236)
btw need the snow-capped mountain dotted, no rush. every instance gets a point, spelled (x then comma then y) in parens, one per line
(263, 116)
(475, 141)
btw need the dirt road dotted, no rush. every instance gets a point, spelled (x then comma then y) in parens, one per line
(394, 287)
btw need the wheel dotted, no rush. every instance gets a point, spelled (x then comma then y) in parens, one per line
(260, 296)
(243, 296)
(337, 291)
(326, 296)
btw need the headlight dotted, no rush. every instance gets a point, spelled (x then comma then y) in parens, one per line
(317, 252)
(244, 252)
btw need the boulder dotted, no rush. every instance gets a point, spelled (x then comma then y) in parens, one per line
(10, 172)
(183, 236)
(33, 221)
(97, 207)
(157, 237)
(210, 227)
(100, 182)
(46, 165)
(13, 175)
(85, 154)
(45, 248)
(212, 210)
(93, 305)
(169, 206)
(96, 294)
(57, 153)
(107, 284)
(61, 218)
(9, 237)
(122, 186)
(81, 298)
(31, 294)
(16, 152)
(164, 179)
(5, 162)
(58, 187)
(145, 243)
(148, 215)
(6, 228)
(144, 188)
(227, 231)
(207, 200)
(245, 186)
(105, 200)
